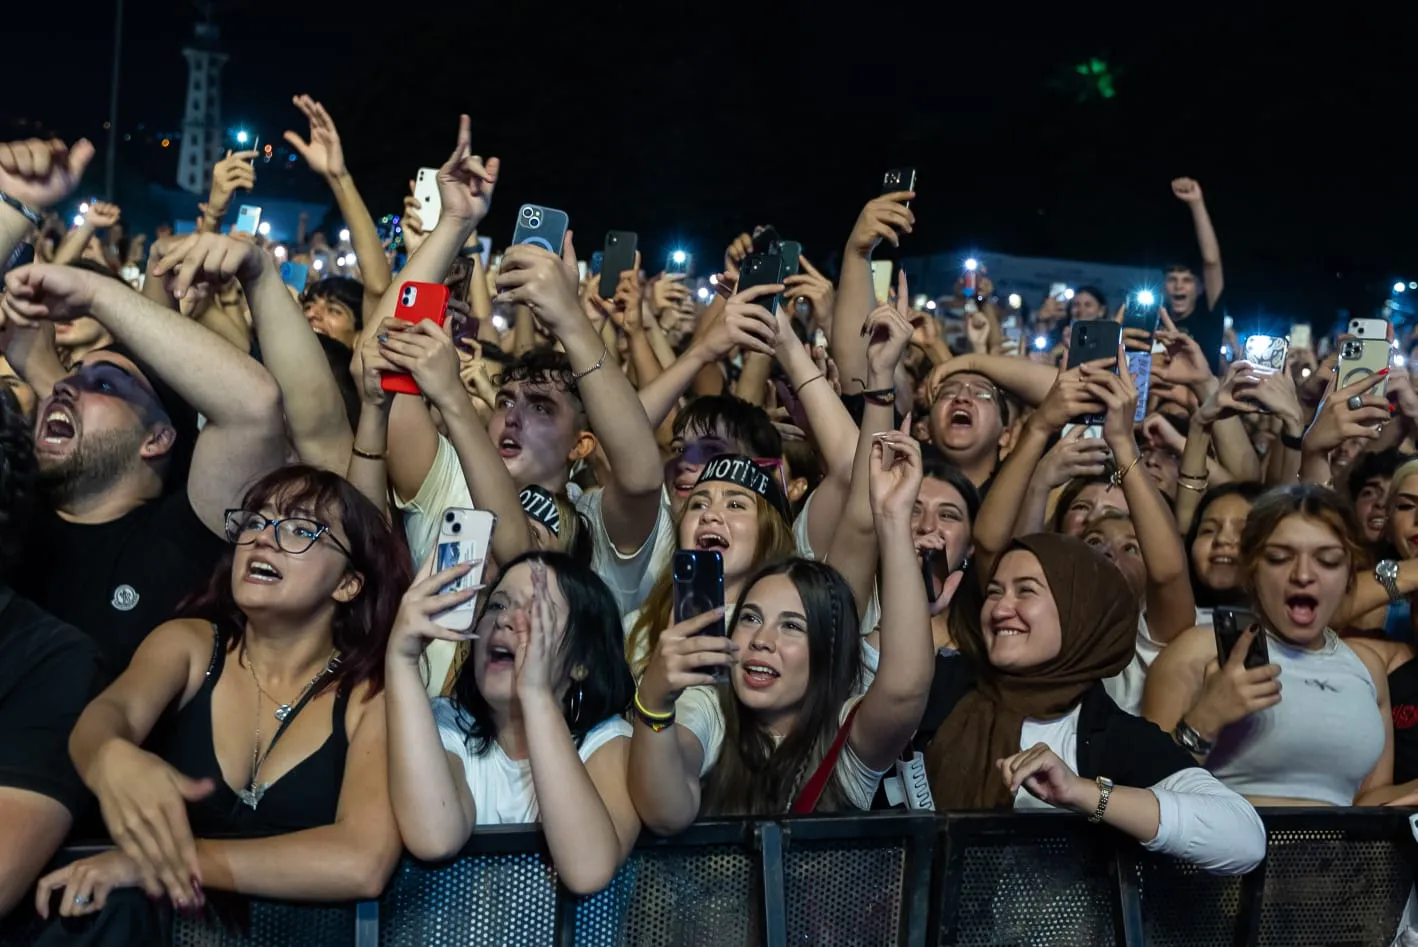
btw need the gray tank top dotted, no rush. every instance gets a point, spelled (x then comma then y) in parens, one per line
(1319, 742)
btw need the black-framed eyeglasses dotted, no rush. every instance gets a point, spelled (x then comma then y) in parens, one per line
(294, 534)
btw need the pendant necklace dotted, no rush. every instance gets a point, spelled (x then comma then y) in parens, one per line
(254, 790)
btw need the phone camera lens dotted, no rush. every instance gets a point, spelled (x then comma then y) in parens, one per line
(448, 517)
(457, 527)
(684, 570)
(528, 212)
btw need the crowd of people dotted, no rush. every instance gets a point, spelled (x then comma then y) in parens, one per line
(228, 642)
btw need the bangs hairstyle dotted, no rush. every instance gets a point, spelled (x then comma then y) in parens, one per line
(593, 639)
(937, 467)
(1312, 502)
(543, 367)
(775, 543)
(360, 627)
(746, 424)
(1071, 492)
(756, 774)
(1207, 597)
(345, 290)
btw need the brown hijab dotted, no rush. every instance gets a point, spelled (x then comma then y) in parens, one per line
(1098, 632)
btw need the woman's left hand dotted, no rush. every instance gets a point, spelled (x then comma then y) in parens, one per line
(1048, 779)
(84, 885)
(894, 476)
(1119, 397)
(535, 628)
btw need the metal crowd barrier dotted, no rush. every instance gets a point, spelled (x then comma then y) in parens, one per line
(1331, 877)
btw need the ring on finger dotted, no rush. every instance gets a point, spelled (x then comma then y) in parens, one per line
(1355, 402)
(82, 899)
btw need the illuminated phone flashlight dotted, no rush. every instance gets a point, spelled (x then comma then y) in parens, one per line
(1041, 342)
(713, 279)
(318, 264)
(499, 323)
(678, 257)
(1398, 360)
(279, 252)
(344, 236)
(84, 207)
(78, 220)
(1399, 287)
(703, 292)
(1015, 300)
(972, 267)
(1145, 297)
(339, 261)
(930, 305)
(1304, 373)
(241, 137)
(265, 228)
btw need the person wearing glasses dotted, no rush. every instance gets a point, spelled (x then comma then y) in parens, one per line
(967, 420)
(272, 778)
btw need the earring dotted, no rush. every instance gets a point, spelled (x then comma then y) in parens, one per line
(576, 705)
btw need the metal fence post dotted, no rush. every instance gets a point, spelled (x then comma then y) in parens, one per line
(367, 924)
(775, 914)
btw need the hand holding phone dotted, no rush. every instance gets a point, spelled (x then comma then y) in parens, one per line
(464, 536)
(698, 576)
(544, 227)
(430, 201)
(417, 302)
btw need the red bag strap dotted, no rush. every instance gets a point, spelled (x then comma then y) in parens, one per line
(817, 783)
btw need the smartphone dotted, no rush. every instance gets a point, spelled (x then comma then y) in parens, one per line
(618, 256)
(1267, 352)
(248, 219)
(1300, 335)
(1369, 329)
(1142, 311)
(791, 251)
(598, 260)
(543, 227)
(881, 280)
(679, 262)
(1359, 358)
(698, 588)
(430, 204)
(417, 302)
(295, 275)
(1090, 341)
(1140, 368)
(1229, 624)
(766, 240)
(761, 269)
(486, 250)
(1059, 291)
(464, 535)
(899, 179)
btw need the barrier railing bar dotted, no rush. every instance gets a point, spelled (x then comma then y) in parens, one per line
(914, 922)
(367, 924)
(775, 914)
(565, 916)
(1249, 909)
(1129, 901)
(947, 878)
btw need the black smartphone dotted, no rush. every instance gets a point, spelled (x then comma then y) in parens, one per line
(618, 256)
(766, 240)
(1229, 624)
(699, 588)
(761, 269)
(1142, 311)
(1090, 341)
(791, 251)
(899, 179)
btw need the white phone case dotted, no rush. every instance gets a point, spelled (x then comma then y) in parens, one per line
(464, 535)
(430, 204)
(1368, 328)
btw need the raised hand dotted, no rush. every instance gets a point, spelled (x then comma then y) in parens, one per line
(465, 183)
(667, 293)
(103, 214)
(228, 175)
(817, 289)
(426, 352)
(412, 223)
(1074, 455)
(40, 174)
(323, 152)
(895, 476)
(414, 626)
(741, 246)
(1233, 692)
(46, 292)
(1233, 396)
(1069, 398)
(368, 366)
(680, 659)
(1186, 190)
(1119, 397)
(883, 218)
(1348, 412)
(745, 324)
(209, 258)
(545, 283)
(888, 330)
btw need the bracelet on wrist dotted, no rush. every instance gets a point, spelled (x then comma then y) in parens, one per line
(25, 210)
(368, 455)
(656, 721)
(881, 397)
(1291, 441)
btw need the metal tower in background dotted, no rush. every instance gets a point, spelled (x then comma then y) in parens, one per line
(202, 133)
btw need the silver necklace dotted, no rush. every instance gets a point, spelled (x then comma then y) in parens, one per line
(254, 790)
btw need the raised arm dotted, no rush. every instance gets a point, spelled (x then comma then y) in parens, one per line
(1189, 192)
(326, 157)
(101, 214)
(891, 710)
(548, 286)
(315, 410)
(36, 175)
(884, 218)
(244, 437)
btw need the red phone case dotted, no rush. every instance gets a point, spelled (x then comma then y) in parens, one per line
(427, 301)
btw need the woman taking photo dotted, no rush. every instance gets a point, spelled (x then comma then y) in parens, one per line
(533, 730)
(785, 733)
(1312, 726)
(738, 508)
(1038, 730)
(278, 741)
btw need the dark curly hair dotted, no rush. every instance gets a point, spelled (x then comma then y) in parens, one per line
(345, 290)
(377, 552)
(17, 477)
(544, 366)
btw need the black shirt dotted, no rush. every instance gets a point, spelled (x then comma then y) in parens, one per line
(1205, 323)
(119, 580)
(1403, 704)
(49, 671)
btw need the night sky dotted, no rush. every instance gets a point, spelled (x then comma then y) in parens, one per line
(695, 121)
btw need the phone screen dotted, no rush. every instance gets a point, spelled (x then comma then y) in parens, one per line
(1229, 624)
(698, 588)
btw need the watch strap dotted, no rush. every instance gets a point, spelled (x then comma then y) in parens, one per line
(1187, 737)
(30, 214)
(1105, 792)
(1386, 574)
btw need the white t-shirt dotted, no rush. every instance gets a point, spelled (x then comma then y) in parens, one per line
(698, 711)
(628, 577)
(1126, 687)
(502, 787)
(871, 614)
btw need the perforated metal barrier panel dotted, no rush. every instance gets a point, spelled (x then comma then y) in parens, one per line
(1332, 878)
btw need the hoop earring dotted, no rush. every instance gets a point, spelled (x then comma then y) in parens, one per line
(576, 705)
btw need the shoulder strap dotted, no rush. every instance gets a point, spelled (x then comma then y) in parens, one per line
(217, 641)
(812, 791)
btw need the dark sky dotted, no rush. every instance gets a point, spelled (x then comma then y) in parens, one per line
(695, 121)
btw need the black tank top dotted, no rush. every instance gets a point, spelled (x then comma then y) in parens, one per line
(304, 798)
(1403, 699)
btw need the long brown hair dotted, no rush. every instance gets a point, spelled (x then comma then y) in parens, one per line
(360, 627)
(1299, 499)
(756, 774)
(775, 541)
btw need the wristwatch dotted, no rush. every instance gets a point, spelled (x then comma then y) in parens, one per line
(1187, 737)
(1386, 572)
(28, 212)
(1105, 790)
